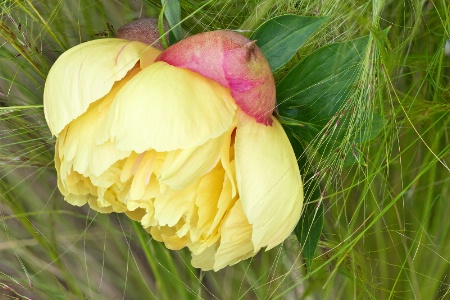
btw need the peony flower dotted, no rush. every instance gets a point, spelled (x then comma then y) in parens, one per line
(183, 141)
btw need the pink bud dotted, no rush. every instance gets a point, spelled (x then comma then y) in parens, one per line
(235, 62)
(142, 30)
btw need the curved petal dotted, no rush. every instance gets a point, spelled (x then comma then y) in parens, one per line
(85, 73)
(208, 195)
(77, 145)
(224, 203)
(167, 234)
(188, 165)
(235, 243)
(268, 180)
(172, 205)
(205, 259)
(236, 239)
(167, 108)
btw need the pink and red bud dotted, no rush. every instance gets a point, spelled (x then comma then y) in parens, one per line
(235, 62)
(224, 56)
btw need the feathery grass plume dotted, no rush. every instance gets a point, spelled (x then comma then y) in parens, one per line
(386, 222)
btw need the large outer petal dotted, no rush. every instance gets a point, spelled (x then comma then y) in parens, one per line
(269, 181)
(167, 108)
(77, 146)
(85, 73)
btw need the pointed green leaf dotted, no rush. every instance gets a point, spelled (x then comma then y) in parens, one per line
(281, 37)
(172, 12)
(311, 94)
(374, 125)
(299, 150)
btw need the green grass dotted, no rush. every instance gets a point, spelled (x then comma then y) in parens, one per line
(386, 233)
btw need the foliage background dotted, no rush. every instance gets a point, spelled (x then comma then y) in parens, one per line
(387, 217)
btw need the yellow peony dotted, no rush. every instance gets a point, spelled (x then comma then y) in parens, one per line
(171, 149)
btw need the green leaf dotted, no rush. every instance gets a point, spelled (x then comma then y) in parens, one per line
(281, 37)
(309, 227)
(172, 12)
(374, 125)
(299, 150)
(319, 85)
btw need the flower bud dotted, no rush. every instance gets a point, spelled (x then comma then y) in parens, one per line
(177, 141)
(142, 30)
(235, 62)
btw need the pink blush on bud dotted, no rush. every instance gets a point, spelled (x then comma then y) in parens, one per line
(251, 81)
(233, 61)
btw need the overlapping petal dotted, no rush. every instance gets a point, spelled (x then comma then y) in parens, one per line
(86, 73)
(268, 180)
(236, 239)
(167, 108)
(181, 167)
(78, 149)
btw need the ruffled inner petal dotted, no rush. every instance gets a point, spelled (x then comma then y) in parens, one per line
(235, 239)
(172, 205)
(189, 164)
(208, 193)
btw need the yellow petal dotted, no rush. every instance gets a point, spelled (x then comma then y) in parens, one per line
(107, 200)
(205, 259)
(226, 200)
(130, 165)
(168, 236)
(136, 214)
(172, 205)
(236, 239)
(107, 179)
(75, 192)
(208, 195)
(148, 219)
(84, 74)
(78, 148)
(269, 181)
(142, 175)
(213, 202)
(167, 108)
(188, 165)
(76, 200)
(227, 160)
